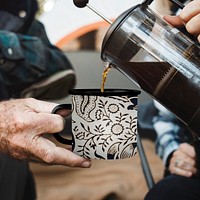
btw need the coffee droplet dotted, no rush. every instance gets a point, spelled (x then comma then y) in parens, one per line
(104, 76)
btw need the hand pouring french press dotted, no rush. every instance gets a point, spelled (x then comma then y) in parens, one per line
(159, 58)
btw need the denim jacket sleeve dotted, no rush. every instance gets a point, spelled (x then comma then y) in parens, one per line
(170, 133)
(27, 58)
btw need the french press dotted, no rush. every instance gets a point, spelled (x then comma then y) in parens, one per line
(159, 58)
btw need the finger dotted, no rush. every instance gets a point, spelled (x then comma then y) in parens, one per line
(177, 155)
(190, 10)
(187, 166)
(64, 112)
(68, 158)
(51, 154)
(187, 150)
(173, 20)
(183, 165)
(198, 38)
(40, 106)
(181, 172)
(183, 162)
(193, 25)
(45, 123)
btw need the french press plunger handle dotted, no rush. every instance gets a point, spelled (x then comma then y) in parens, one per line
(83, 3)
(80, 3)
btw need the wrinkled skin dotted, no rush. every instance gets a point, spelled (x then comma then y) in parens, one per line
(22, 125)
(188, 16)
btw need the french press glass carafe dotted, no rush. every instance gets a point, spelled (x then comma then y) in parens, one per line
(171, 71)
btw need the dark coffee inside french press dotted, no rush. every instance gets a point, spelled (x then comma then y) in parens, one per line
(159, 58)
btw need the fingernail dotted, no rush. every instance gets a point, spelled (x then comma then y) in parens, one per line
(86, 164)
(188, 174)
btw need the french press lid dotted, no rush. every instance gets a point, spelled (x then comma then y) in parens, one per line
(115, 45)
(113, 35)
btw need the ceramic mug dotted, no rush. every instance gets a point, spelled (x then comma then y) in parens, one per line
(103, 124)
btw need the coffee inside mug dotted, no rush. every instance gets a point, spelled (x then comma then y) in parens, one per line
(107, 92)
(103, 125)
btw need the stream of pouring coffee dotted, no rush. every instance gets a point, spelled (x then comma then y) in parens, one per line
(81, 4)
(104, 76)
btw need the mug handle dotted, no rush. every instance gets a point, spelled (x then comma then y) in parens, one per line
(58, 137)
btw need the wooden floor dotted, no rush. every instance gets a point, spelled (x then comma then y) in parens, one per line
(105, 180)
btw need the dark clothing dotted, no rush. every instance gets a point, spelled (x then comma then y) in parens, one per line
(26, 54)
(175, 187)
(16, 180)
(33, 58)
(29, 9)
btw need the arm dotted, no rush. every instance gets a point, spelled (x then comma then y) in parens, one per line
(171, 133)
(23, 123)
(26, 59)
(182, 160)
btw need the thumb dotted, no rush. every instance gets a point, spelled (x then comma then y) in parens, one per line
(173, 20)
